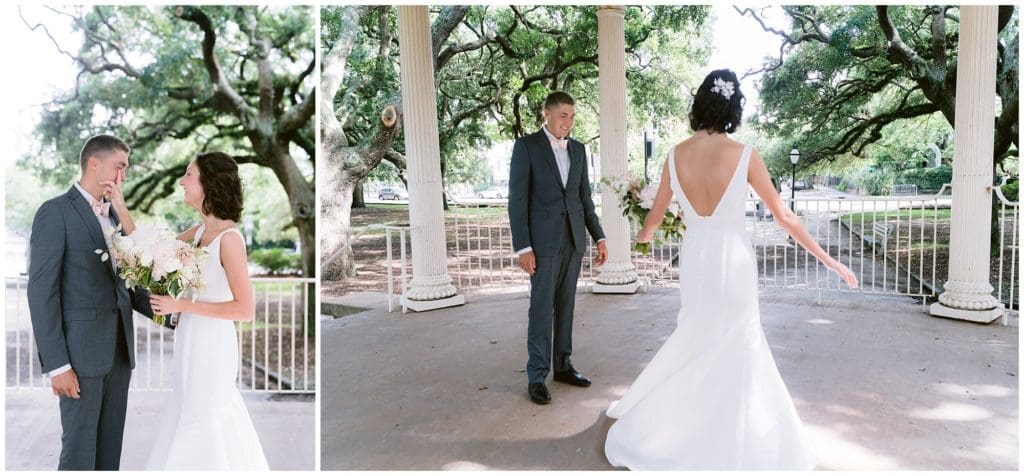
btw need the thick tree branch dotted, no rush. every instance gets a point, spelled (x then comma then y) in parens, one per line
(332, 73)
(939, 36)
(447, 20)
(900, 50)
(229, 99)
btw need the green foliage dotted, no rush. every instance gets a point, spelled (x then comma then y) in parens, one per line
(277, 260)
(868, 101)
(876, 182)
(23, 193)
(927, 179)
(496, 92)
(1010, 190)
(843, 186)
(160, 99)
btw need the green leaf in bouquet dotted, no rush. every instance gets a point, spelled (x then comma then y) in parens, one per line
(643, 248)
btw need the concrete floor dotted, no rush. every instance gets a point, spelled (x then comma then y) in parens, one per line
(878, 382)
(285, 425)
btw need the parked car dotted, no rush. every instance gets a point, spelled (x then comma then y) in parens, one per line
(494, 192)
(801, 185)
(392, 193)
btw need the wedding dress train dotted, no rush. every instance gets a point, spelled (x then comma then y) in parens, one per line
(712, 397)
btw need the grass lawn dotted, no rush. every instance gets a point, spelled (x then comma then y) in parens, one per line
(914, 214)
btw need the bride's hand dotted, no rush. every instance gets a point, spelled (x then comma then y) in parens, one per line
(644, 236)
(843, 272)
(166, 305)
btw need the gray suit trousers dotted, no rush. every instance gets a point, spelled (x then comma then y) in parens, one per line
(552, 302)
(93, 425)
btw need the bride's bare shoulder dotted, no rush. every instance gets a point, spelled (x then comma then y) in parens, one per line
(189, 234)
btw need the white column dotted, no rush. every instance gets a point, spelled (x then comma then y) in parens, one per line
(431, 287)
(968, 294)
(618, 274)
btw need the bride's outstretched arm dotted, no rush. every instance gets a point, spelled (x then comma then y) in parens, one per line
(759, 178)
(241, 308)
(657, 213)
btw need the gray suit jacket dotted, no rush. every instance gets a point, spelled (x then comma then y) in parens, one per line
(538, 204)
(77, 300)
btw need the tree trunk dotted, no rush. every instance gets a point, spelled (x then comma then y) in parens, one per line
(994, 235)
(357, 196)
(336, 214)
(301, 199)
(341, 262)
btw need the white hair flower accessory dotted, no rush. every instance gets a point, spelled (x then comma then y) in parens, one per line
(723, 87)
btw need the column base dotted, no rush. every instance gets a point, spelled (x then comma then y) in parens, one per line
(628, 288)
(421, 306)
(986, 316)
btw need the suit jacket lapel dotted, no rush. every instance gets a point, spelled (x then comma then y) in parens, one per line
(545, 145)
(91, 223)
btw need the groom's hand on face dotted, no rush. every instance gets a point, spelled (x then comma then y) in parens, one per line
(528, 261)
(65, 385)
(112, 189)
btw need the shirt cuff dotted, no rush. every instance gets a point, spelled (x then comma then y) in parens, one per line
(59, 370)
(602, 239)
(524, 250)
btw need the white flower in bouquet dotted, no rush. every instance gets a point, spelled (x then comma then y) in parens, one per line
(152, 257)
(165, 258)
(636, 198)
(647, 195)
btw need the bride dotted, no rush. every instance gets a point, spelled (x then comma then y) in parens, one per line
(205, 424)
(712, 397)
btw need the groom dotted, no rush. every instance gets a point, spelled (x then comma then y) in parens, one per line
(550, 210)
(81, 310)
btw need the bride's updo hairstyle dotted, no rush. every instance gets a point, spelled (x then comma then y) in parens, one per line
(222, 189)
(718, 104)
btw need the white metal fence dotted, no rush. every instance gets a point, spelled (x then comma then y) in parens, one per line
(277, 352)
(896, 245)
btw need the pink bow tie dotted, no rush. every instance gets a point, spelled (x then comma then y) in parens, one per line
(101, 208)
(559, 144)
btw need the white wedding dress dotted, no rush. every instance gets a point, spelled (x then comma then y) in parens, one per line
(712, 397)
(205, 425)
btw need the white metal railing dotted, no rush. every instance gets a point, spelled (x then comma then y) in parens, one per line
(892, 243)
(403, 232)
(1008, 278)
(276, 352)
(897, 258)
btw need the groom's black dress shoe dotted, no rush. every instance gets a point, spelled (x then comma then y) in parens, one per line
(572, 377)
(539, 393)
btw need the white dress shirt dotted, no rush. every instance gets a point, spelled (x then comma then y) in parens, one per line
(105, 222)
(562, 160)
(561, 157)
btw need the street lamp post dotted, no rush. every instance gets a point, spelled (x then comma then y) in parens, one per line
(794, 157)
(648, 153)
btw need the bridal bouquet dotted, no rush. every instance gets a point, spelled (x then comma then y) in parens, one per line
(636, 197)
(152, 257)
